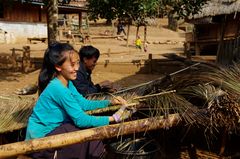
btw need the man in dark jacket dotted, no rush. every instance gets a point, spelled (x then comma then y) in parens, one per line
(88, 60)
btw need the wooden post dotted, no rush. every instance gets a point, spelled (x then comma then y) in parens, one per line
(187, 50)
(128, 31)
(14, 59)
(52, 20)
(80, 21)
(87, 25)
(137, 32)
(113, 27)
(150, 63)
(145, 34)
(26, 63)
(92, 134)
(197, 47)
(221, 41)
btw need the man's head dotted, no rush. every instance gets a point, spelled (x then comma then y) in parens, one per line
(89, 56)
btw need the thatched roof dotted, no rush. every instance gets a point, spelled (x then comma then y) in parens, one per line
(218, 7)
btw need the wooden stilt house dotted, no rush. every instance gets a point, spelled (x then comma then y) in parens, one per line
(216, 31)
(23, 19)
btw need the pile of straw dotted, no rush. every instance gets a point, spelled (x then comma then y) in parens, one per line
(205, 95)
(14, 112)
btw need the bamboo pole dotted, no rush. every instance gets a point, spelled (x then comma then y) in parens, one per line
(158, 79)
(154, 95)
(81, 136)
(108, 109)
(116, 107)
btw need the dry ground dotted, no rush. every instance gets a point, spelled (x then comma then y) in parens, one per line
(111, 49)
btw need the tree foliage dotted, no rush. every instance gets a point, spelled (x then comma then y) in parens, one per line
(181, 8)
(123, 9)
(138, 10)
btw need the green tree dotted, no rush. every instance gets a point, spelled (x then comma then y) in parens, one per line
(139, 10)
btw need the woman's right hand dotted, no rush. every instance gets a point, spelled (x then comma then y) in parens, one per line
(122, 114)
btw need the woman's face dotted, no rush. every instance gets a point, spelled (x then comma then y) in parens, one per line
(68, 70)
(90, 63)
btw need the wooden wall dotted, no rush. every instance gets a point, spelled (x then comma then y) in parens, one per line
(213, 30)
(231, 27)
(18, 12)
(206, 37)
(207, 31)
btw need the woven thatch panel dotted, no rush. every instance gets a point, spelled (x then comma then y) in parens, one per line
(218, 7)
(14, 112)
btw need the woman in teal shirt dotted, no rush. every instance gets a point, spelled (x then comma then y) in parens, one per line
(60, 108)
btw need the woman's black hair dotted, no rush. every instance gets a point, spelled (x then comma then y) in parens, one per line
(88, 52)
(54, 55)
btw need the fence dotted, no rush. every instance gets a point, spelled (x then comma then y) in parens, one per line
(19, 60)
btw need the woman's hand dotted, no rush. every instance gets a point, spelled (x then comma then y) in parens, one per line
(118, 101)
(122, 114)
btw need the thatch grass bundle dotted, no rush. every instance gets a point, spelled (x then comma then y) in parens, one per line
(205, 95)
(14, 112)
(216, 92)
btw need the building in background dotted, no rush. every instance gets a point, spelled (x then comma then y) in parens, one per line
(216, 31)
(20, 20)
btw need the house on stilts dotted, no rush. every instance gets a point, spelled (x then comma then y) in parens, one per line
(216, 31)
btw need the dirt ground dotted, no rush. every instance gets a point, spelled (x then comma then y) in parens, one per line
(161, 40)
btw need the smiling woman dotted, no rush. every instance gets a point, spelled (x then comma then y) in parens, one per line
(68, 70)
(61, 109)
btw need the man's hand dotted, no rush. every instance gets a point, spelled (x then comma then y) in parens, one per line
(106, 84)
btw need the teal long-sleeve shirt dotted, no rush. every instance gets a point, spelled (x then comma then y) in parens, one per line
(59, 104)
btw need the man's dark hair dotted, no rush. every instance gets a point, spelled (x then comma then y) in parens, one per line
(88, 52)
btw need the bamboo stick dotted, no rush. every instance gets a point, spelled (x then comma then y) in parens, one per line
(116, 107)
(158, 79)
(153, 95)
(81, 136)
(108, 109)
(2, 97)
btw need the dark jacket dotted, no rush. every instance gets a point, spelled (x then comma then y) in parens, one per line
(83, 83)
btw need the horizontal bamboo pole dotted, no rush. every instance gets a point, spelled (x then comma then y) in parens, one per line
(108, 109)
(81, 136)
(158, 79)
(154, 95)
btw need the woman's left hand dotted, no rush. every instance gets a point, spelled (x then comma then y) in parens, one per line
(118, 101)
